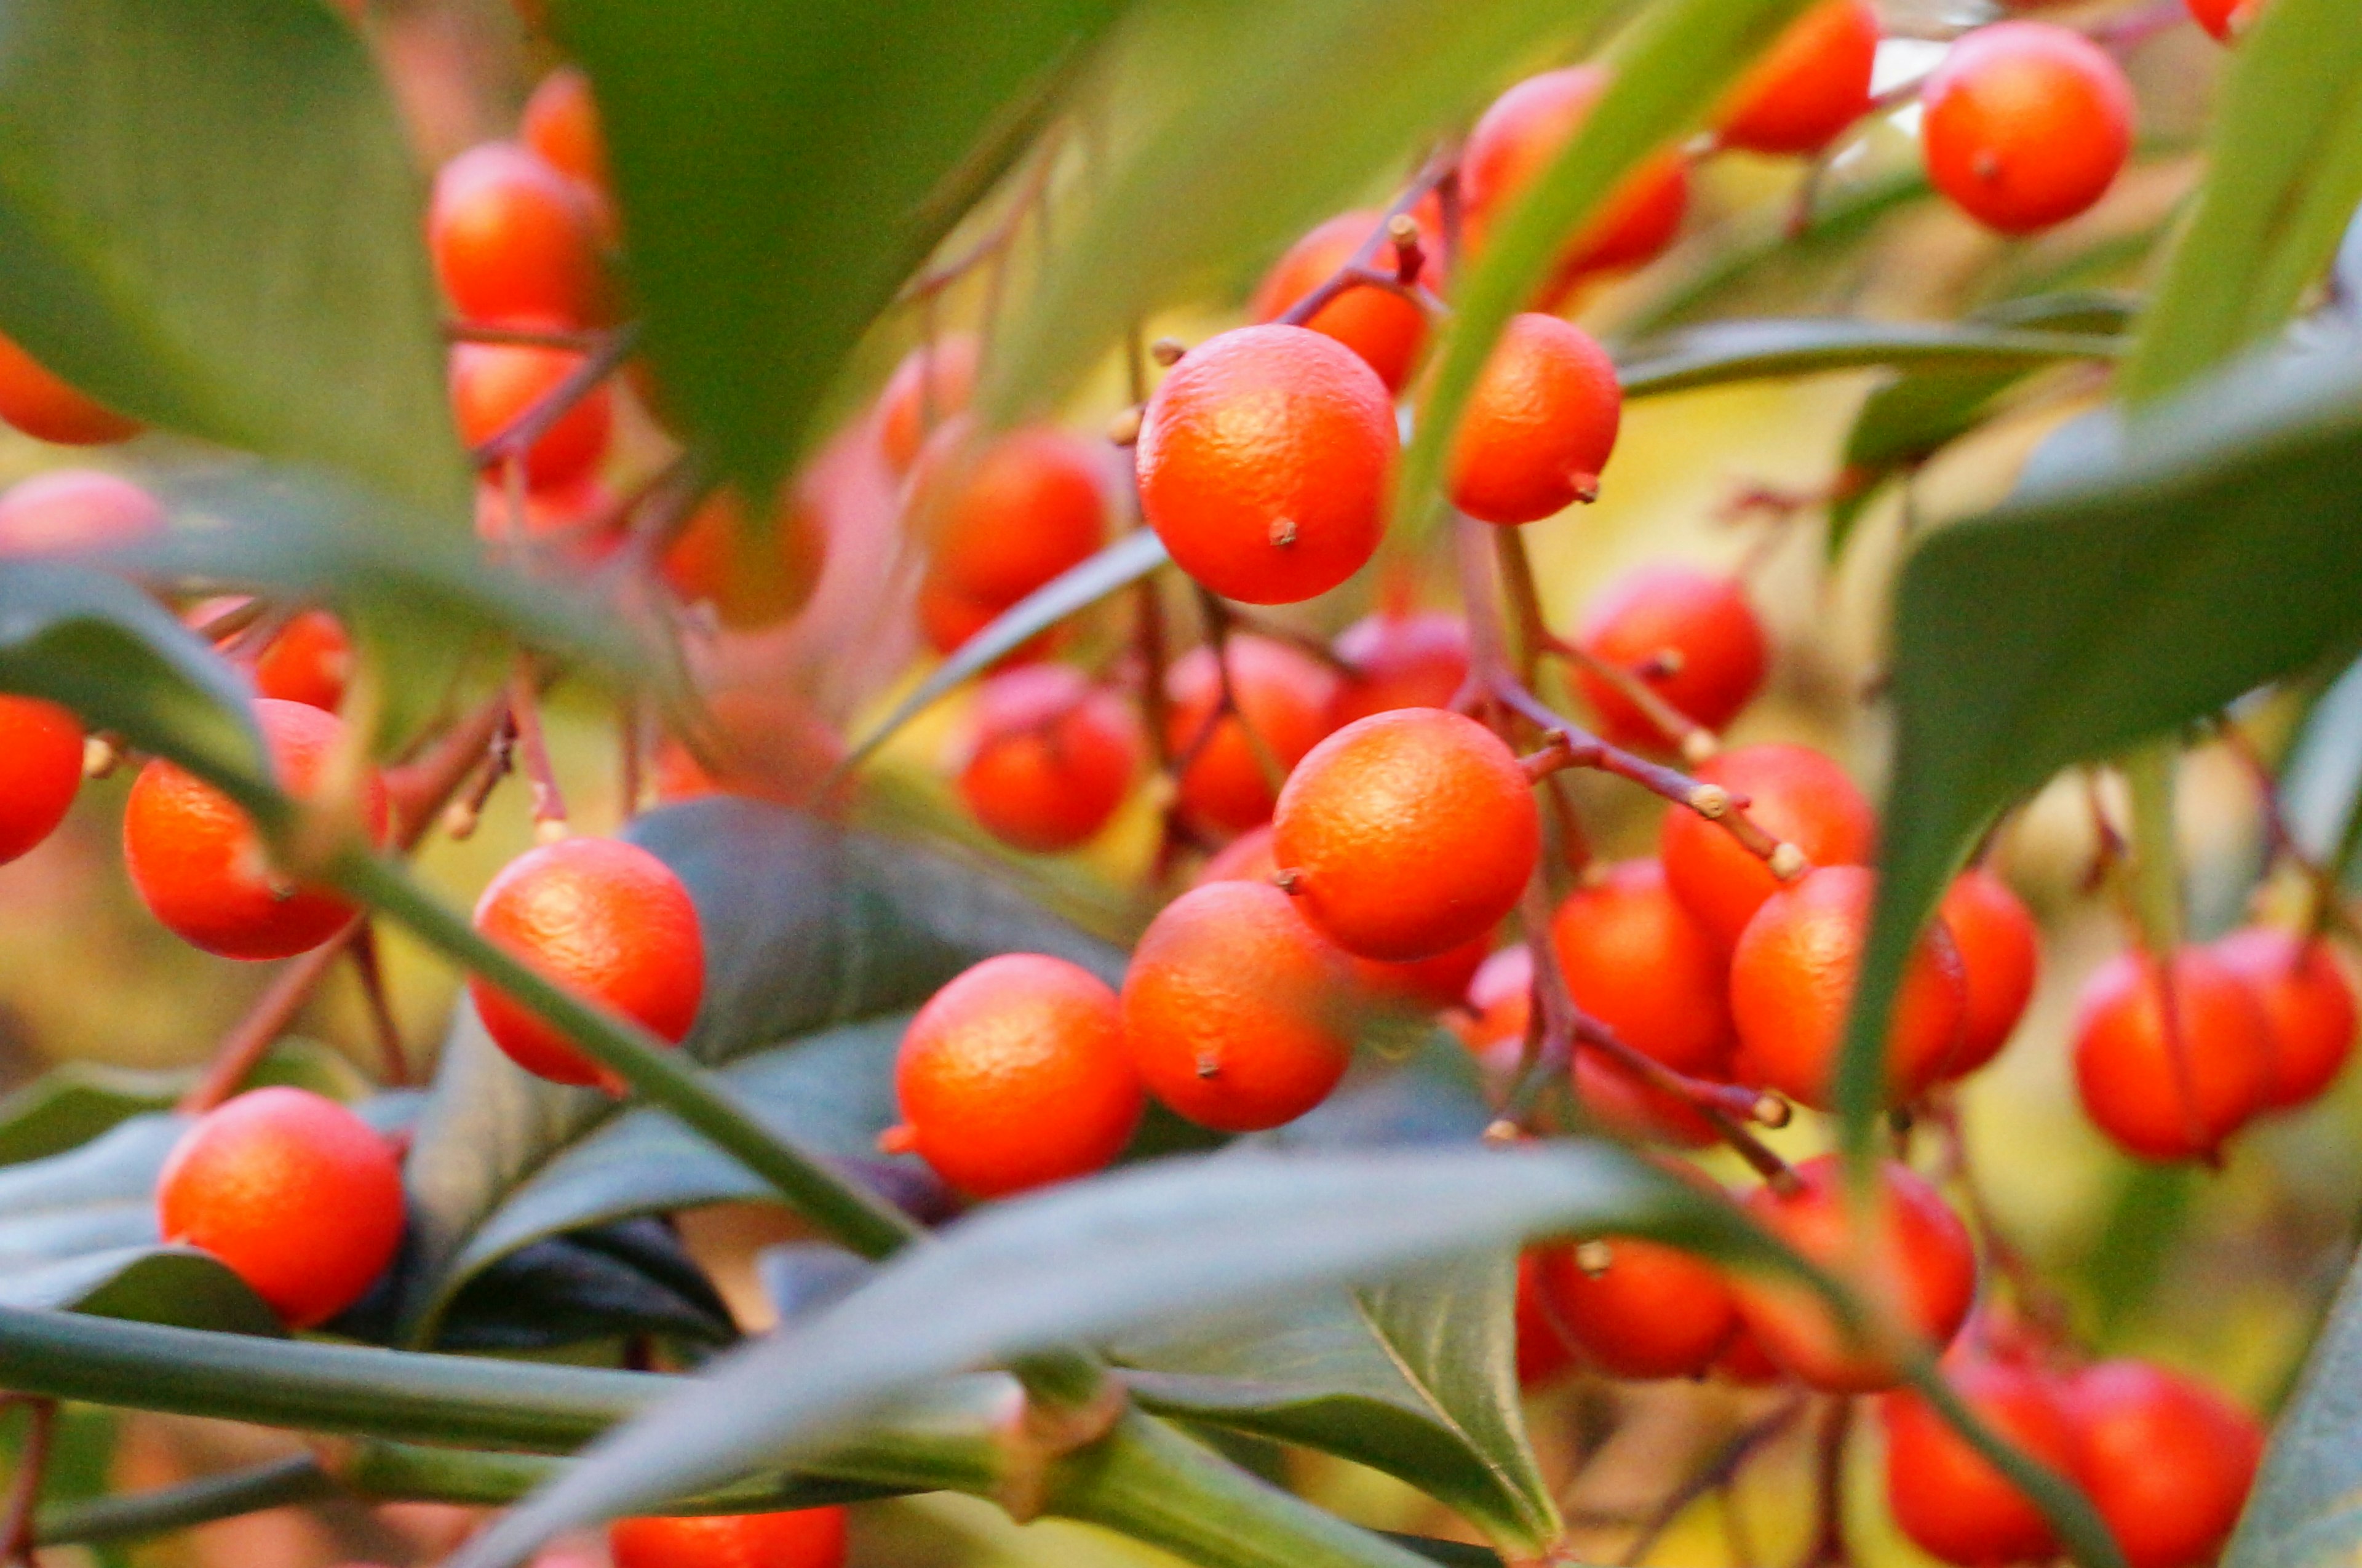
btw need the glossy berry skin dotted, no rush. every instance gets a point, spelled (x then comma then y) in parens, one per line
(1266, 458)
(1051, 758)
(1653, 1311)
(1690, 635)
(40, 770)
(2166, 1460)
(1813, 84)
(1516, 139)
(200, 865)
(932, 384)
(1413, 659)
(1283, 695)
(752, 577)
(1947, 1496)
(1002, 516)
(561, 127)
(1791, 980)
(1796, 795)
(43, 406)
(609, 921)
(1920, 1272)
(2308, 1004)
(75, 508)
(1238, 1014)
(2150, 1099)
(804, 1538)
(1015, 1075)
(300, 1197)
(1638, 961)
(513, 238)
(1540, 424)
(1386, 329)
(493, 383)
(1406, 833)
(2001, 955)
(2025, 124)
(2225, 19)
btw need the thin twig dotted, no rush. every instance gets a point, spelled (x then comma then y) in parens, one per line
(536, 420)
(25, 1488)
(395, 1066)
(1714, 1475)
(582, 342)
(532, 749)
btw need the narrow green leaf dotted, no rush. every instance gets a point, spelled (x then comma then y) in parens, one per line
(71, 1104)
(1756, 350)
(2320, 782)
(275, 1484)
(2303, 1511)
(179, 1286)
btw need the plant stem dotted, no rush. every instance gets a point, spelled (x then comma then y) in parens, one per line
(275, 1485)
(2156, 883)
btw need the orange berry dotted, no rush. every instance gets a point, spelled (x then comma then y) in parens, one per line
(932, 383)
(2025, 124)
(1917, 1271)
(298, 1196)
(948, 620)
(2308, 1007)
(1639, 963)
(556, 520)
(1793, 793)
(1538, 427)
(2226, 20)
(1284, 697)
(2170, 1090)
(1945, 1495)
(1001, 517)
(1015, 1075)
(1051, 758)
(1265, 461)
(2166, 1460)
(513, 238)
(1422, 984)
(493, 384)
(1237, 1013)
(2000, 953)
(1417, 659)
(1648, 1312)
(1545, 1350)
(752, 579)
(1742, 1361)
(1692, 638)
(309, 661)
(561, 127)
(606, 920)
(201, 866)
(801, 1538)
(75, 508)
(1246, 858)
(40, 770)
(1408, 832)
(1813, 84)
(1386, 329)
(1516, 139)
(44, 407)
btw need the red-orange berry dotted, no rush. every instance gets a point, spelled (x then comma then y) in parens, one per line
(1386, 329)
(2166, 1461)
(1001, 517)
(2001, 952)
(1945, 1495)
(515, 239)
(1284, 697)
(1520, 135)
(2308, 1006)
(1411, 659)
(802, 1538)
(1538, 427)
(752, 578)
(932, 383)
(1614, 1098)
(1265, 461)
(2226, 20)
(300, 1197)
(309, 661)
(1051, 758)
(40, 770)
(1015, 1075)
(607, 921)
(2170, 1071)
(493, 384)
(1639, 962)
(1793, 793)
(948, 620)
(1406, 833)
(561, 125)
(37, 402)
(75, 508)
(1917, 1271)
(575, 525)
(201, 866)
(1237, 1013)
(1545, 1349)
(1640, 1309)
(2025, 124)
(1813, 84)
(1690, 637)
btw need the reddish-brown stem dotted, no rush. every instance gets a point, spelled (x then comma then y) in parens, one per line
(25, 1487)
(533, 750)
(1696, 742)
(1350, 277)
(1360, 269)
(628, 735)
(1827, 1547)
(251, 1039)
(1715, 1474)
(394, 1066)
(1003, 233)
(580, 342)
(517, 437)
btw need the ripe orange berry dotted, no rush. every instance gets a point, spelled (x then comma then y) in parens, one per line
(1690, 637)
(1791, 980)
(1793, 793)
(1813, 84)
(1001, 517)
(40, 770)
(2000, 955)
(1945, 1495)
(300, 1197)
(607, 921)
(1918, 1270)
(75, 508)
(932, 383)
(513, 238)
(1237, 1013)
(1538, 427)
(2308, 1007)
(1408, 832)
(493, 383)
(44, 407)
(1545, 1350)
(1643, 1310)
(948, 620)
(2170, 1093)
(1386, 329)
(561, 127)
(309, 662)
(200, 865)
(1520, 135)
(2225, 18)
(1619, 1101)
(1639, 962)
(2025, 124)
(1284, 697)
(1015, 1075)
(1742, 1362)
(575, 525)
(752, 579)
(1415, 659)
(1265, 461)
(2166, 1460)
(801, 1538)
(1051, 758)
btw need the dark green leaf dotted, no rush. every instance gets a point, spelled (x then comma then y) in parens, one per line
(179, 1286)
(69, 1105)
(574, 1291)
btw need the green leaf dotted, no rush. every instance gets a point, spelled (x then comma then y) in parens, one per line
(1753, 351)
(209, 218)
(2320, 782)
(179, 1286)
(69, 1105)
(2303, 1511)
(782, 169)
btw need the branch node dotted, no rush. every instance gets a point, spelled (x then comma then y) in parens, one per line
(1788, 862)
(1167, 351)
(1124, 428)
(1711, 801)
(1592, 1257)
(99, 756)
